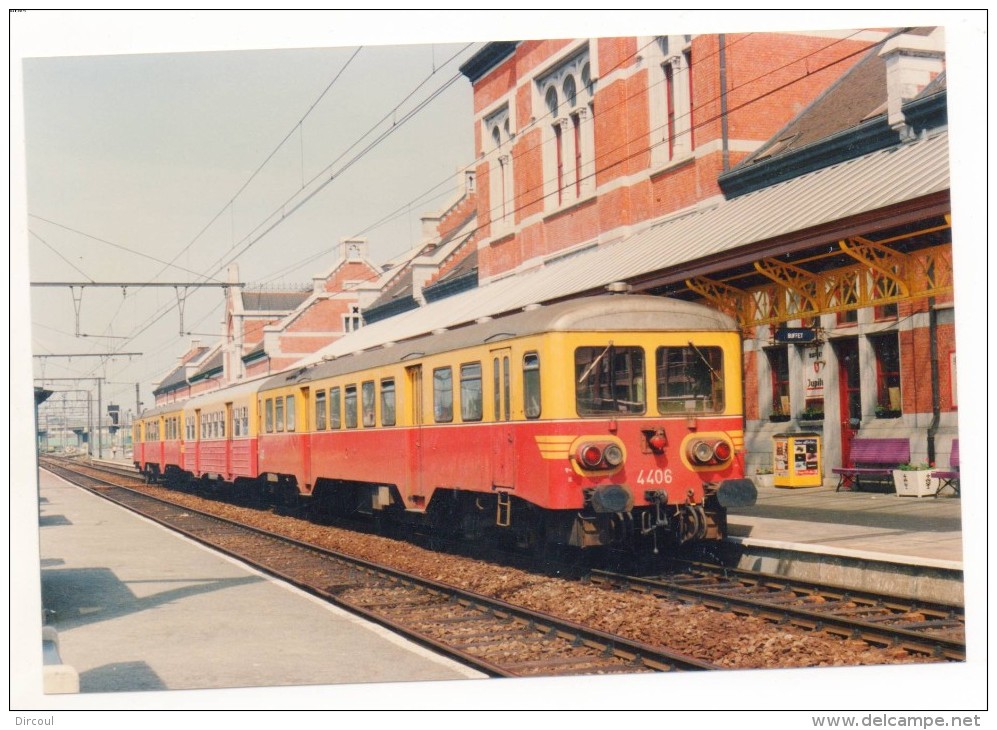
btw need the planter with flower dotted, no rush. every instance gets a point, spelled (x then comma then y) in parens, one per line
(887, 412)
(764, 476)
(915, 480)
(812, 414)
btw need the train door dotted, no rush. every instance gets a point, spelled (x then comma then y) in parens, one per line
(849, 392)
(304, 437)
(197, 442)
(413, 378)
(503, 451)
(228, 440)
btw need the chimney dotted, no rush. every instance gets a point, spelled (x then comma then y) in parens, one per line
(430, 227)
(912, 61)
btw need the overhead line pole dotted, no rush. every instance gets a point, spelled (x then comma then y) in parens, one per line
(100, 448)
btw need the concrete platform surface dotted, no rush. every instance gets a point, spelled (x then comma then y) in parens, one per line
(139, 608)
(911, 530)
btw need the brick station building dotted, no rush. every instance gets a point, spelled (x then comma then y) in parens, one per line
(798, 181)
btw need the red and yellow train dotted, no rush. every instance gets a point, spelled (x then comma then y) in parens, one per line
(611, 420)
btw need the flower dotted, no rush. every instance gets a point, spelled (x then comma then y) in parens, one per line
(916, 467)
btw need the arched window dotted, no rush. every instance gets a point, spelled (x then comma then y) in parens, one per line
(497, 127)
(551, 100)
(566, 91)
(569, 92)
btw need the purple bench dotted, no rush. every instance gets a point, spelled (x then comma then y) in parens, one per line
(872, 459)
(949, 478)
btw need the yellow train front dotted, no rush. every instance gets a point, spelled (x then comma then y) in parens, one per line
(593, 422)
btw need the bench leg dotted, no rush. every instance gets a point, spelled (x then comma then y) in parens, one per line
(946, 483)
(846, 482)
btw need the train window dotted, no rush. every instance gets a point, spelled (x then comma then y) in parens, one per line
(443, 395)
(236, 426)
(221, 425)
(388, 402)
(334, 417)
(470, 392)
(320, 410)
(690, 379)
(278, 414)
(609, 379)
(505, 387)
(496, 389)
(368, 396)
(351, 406)
(269, 417)
(291, 413)
(531, 385)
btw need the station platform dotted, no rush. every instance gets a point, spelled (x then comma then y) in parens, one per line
(918, 530)
(878, 541)
(138, 608)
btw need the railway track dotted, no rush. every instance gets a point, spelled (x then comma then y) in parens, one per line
(932, 630)
(495, 637)
(921, 627)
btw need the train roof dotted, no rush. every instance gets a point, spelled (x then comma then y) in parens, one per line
(224, 395)
(598, 313)
(167, 408)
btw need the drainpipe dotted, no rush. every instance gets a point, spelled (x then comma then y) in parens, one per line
(723, 101)
(936, 399)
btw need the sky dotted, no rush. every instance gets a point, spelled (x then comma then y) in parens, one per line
(159, 146)
(138, 168)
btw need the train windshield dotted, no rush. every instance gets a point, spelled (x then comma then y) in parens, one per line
(609, 380)
(689, 379)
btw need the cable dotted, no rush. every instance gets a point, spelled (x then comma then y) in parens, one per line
(250, 242)
(285, 213)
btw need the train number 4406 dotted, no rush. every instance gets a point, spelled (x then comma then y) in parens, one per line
(655, 476)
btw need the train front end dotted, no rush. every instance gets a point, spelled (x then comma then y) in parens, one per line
(648, 450)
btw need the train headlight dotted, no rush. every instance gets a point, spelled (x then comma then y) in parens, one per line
(700, 452)
(599, 455)
(613, 455)
(590, 455)
(722, 450)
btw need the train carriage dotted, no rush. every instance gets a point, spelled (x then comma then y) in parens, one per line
(158, 451)
(220, 436)
(608, 420)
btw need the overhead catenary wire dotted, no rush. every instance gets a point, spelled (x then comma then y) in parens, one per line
(627, 143)
(283, 210)
(298, 204)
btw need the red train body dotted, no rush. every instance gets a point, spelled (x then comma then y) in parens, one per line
(610, 420)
